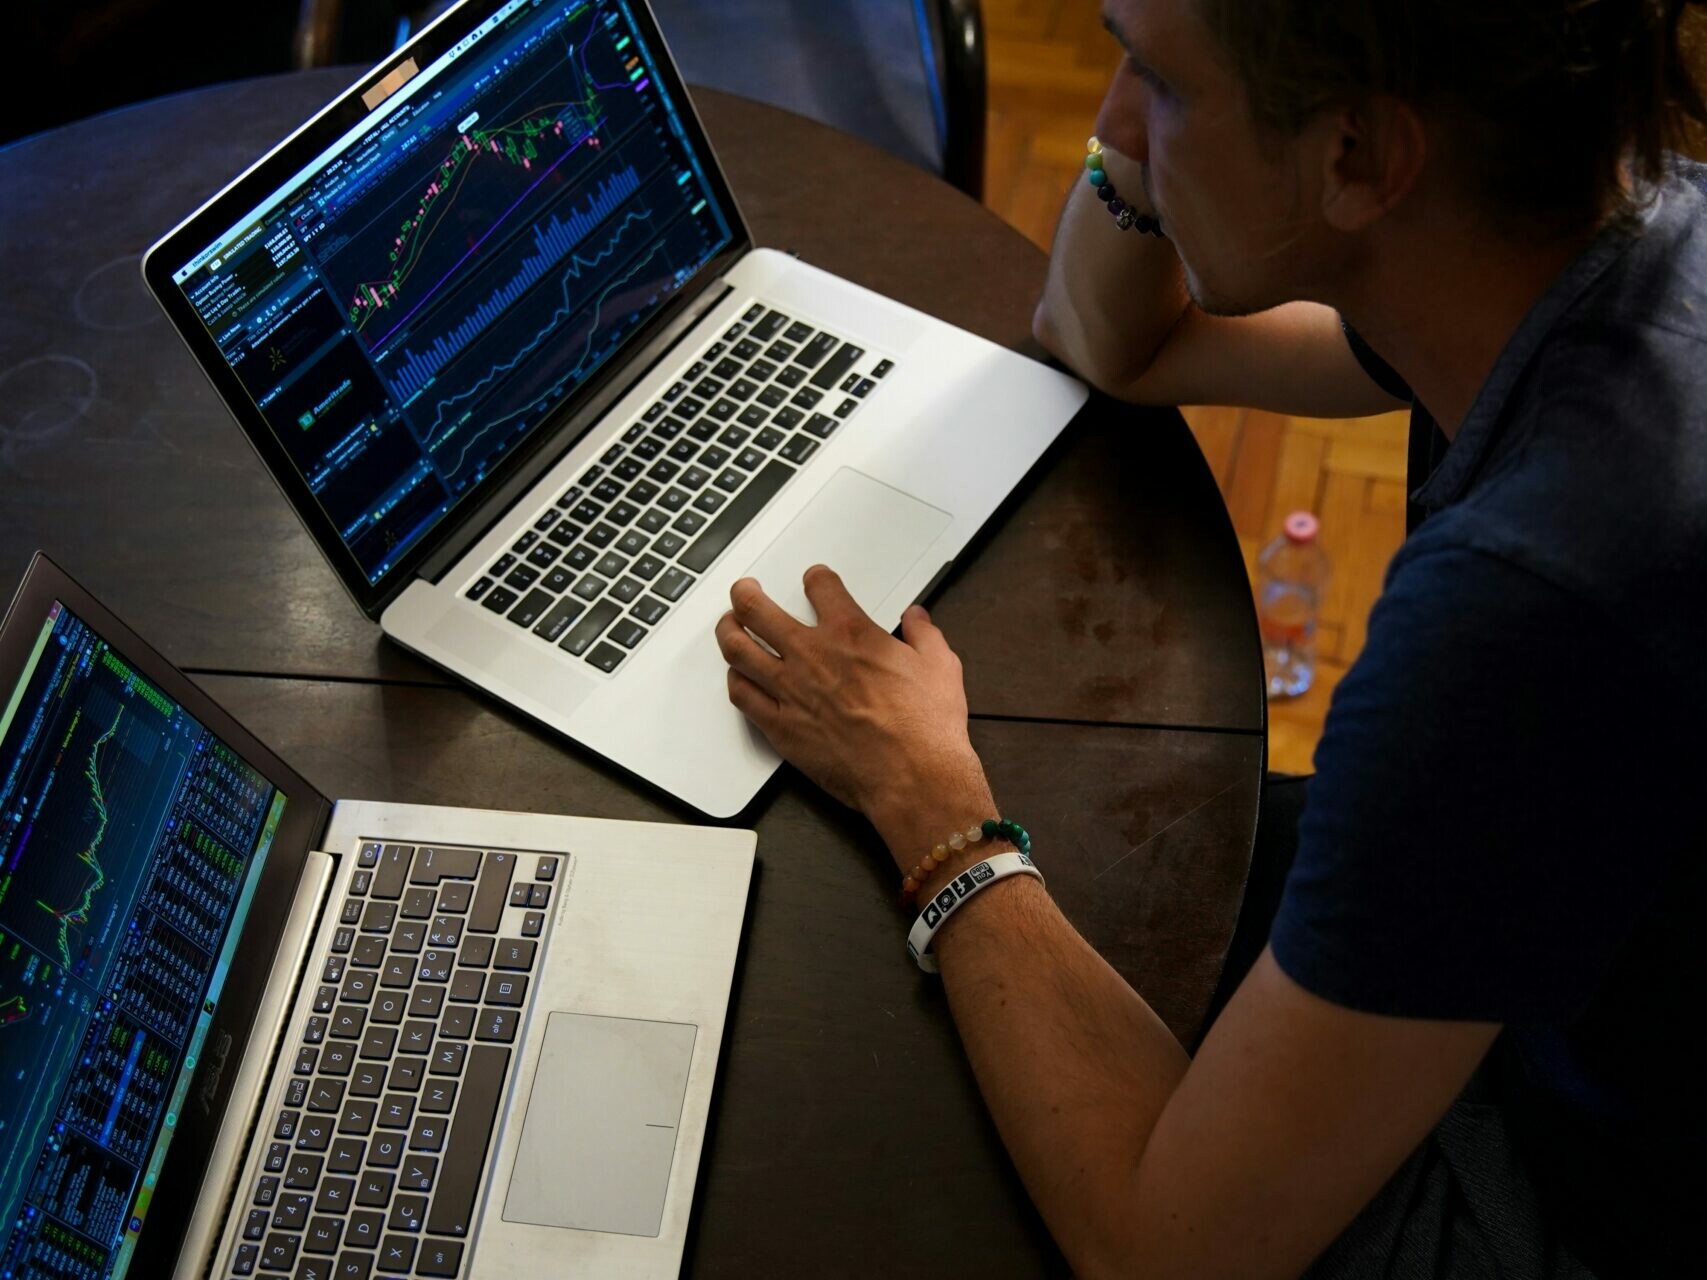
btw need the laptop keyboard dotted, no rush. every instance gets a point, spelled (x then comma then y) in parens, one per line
(374, 1164)
(602, 567)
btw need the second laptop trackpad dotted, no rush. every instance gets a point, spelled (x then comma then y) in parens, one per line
(600, 1131)
(868, 532)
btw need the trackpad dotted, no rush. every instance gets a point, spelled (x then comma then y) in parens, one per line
(600, 1130)
(868, 532)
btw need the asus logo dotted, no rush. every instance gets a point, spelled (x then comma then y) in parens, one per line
(213, 1070)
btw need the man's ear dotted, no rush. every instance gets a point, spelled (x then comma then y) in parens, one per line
(1372, 154)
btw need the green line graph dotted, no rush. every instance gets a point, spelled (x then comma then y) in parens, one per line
(79, 915)
(13, 1009)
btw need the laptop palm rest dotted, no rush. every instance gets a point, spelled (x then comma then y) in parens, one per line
(600, 1130)
(868, 532)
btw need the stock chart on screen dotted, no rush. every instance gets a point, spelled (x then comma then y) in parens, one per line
(129, 835)
(418, 300)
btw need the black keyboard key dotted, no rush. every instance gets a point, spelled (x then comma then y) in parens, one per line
(708, 389)
(357, 1117)
(324, 999)
(749, 459)
(497, 1026)
(626, 590)
(792, 376)
(837, 366)
(723, 410)
(631, 543)
(426, 1001)
(558, 581)
(279, 1251)
(580, 557)
(335, 1194)
(761, 370)
(379, 916)
(607, 490)
(673, 585)
(708, 503)
(436, 966)
(817, 351)
(586, 512)
(646, 568)
(654, 413)
(727, 369)
(622, 514)
(387, 1149)
(558, 620)
(770, 326)
(788, 419)
(866, 387)
(743, 390)
(669, 429)
(773, 396)
(607, 657)
(521, 577)
(694, 478)
(532, 924)
(702, 430)
(642, 492)
(428, 1134)
(737, 516)
(731, 438)
(447, 1059)
(798, 332)
(480, 588)
(590, 587)
(674, 499)
(649, 609)
(689, 523)
(669, 544)
(664, 471)
(729, 481)
(781, 352)
(542, 556)
(883, 368)
(590, 628)
(465, 985)
(243, 1262)
(458, 1022)
(365, 1226)
(477, 952)
(397, 1254)
(565, 533)
(799, 448)
(353, 1266)
(807, 398)
(278, 1155)
(407, 1073)
(471, 1133)
(266, 1191)
(344, 939)
(397, 1111)
(392, 873)
(408, 1212)
(683, 451)
(434, 864)
(627, 633)
(654, 520)
(628, 469)
(418, 1173)
(323, 1235)
(769, 439)
(373, 1189)
(570, 497)
(601, 535)
(530, 610)
(514, 954)
(368, 1079)
(746, 349)
(438, 1258)
(753, 416)
(690, 408)
(348, 1021)
(610, 565)
(821, 426)
(506, 989)
(846, 407)
(488, 909)
(648, 449)
(379, 1043)
(438, 1096)
(291, 1212)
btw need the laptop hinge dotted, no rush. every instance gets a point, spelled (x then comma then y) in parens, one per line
(255, 1070)
(495, 508)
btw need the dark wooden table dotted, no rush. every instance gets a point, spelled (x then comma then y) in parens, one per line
(1111, 654)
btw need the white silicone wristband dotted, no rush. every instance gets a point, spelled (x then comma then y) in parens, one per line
(953, 895)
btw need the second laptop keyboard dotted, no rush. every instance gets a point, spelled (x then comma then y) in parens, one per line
(375, 1160)
(603, 566)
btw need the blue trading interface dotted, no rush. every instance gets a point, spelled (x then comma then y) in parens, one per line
(131, 840)
(414, 303)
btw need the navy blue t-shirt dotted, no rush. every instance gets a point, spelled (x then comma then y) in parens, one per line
(1505, 822)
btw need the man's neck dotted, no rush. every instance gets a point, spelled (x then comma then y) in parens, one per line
(1440, 306)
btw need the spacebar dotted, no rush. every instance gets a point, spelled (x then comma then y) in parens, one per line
(470, 1135)
(735, 517)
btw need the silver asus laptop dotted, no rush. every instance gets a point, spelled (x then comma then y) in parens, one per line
(497, 328)
(246, 1031)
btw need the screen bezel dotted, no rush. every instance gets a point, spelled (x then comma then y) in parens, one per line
(304, 819)
(251, 188)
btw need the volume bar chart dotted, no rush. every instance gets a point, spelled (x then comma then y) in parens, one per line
(553, 241)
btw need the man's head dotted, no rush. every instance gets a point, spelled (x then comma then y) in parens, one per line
(1278, 135)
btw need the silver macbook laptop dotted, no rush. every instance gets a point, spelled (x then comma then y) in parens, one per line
(248, 1031)
(496, 326)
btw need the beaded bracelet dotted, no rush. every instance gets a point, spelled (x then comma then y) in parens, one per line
(989, 829)
(1125, 216)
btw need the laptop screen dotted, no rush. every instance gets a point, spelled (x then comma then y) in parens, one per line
(410, 306)
(132, 840)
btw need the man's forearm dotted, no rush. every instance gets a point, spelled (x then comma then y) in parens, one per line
(1112, 297)
(1073, 1065)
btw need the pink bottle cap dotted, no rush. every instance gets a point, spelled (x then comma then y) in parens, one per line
(1301, 526)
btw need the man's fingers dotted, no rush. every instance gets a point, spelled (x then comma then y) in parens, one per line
(918, 630)
(752, 701)
(743, 653)
(763, 616)
(824, 588)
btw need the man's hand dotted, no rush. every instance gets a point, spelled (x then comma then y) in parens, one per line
(879, 723)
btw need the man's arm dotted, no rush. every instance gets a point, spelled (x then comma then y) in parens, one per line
(1115, 310)
(1245, 1162)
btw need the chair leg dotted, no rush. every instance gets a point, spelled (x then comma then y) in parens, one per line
(960, 31)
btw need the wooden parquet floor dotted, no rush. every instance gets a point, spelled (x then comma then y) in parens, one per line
(1049, 62)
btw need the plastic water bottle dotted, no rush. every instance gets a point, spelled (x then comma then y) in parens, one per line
(1291, 572)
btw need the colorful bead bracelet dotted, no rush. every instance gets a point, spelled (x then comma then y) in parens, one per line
(1125, 216)
(989, 829)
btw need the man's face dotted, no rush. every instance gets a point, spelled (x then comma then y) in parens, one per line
(1238, 204)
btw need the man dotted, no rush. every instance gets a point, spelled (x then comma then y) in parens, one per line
(1469, 207)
